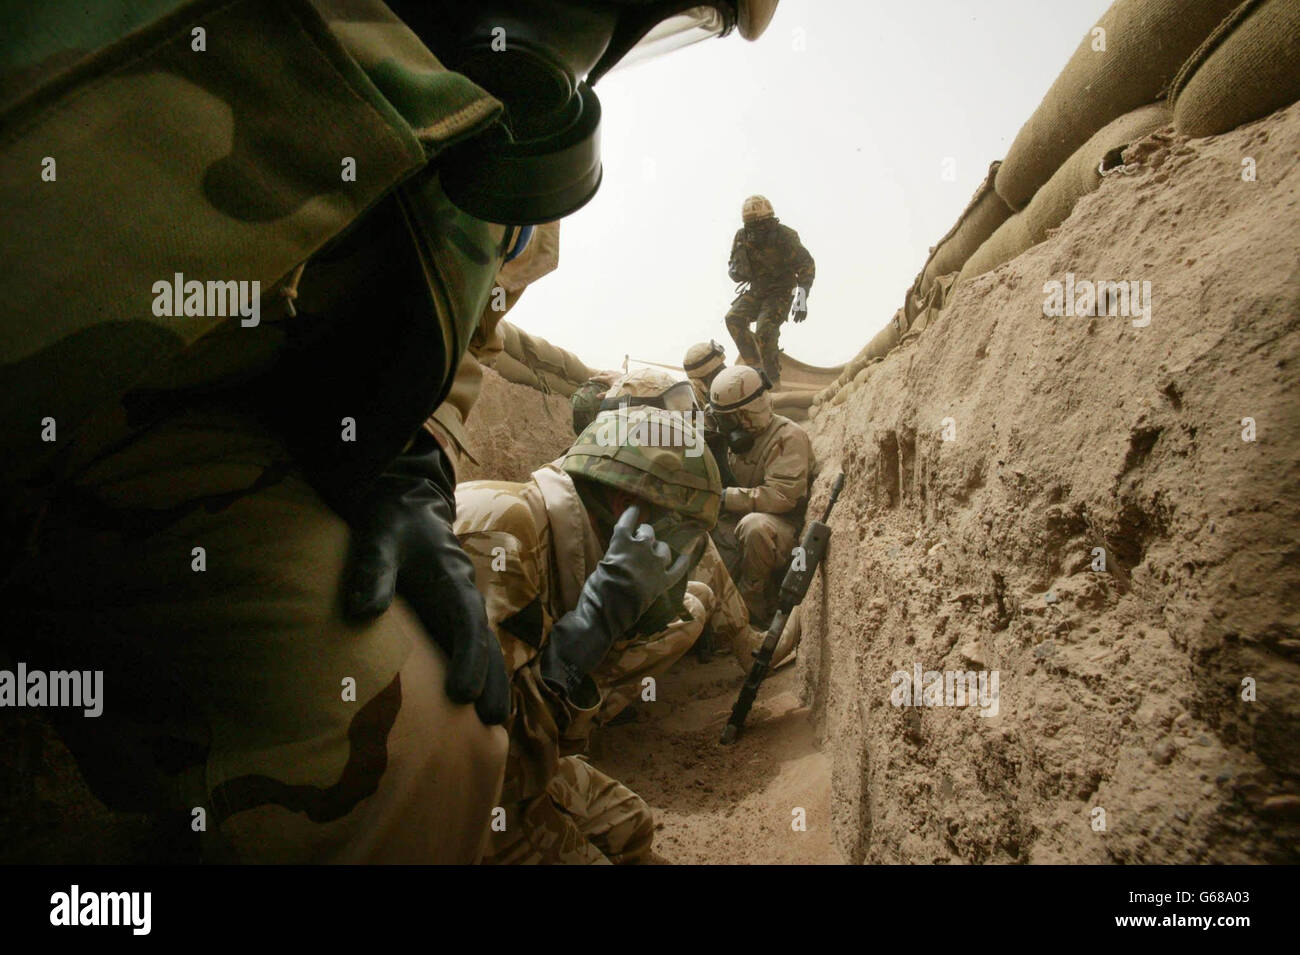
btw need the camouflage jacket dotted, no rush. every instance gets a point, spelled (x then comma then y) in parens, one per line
(773, 266)
(533, 547)
(774, 474)
(289, 148)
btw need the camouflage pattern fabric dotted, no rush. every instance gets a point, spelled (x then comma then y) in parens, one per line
(652, 454)
(586, 402)
(448, 422)
(235, 686)
(225, 166)
(764, 514)
(760, 348)
(762, 546)
(630, 661)
(583, 818)
(730, 617)
(773, 262)
(774, 475)
(533, 547)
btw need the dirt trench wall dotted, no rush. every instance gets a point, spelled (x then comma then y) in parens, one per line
(513, 430)
(1120, 690)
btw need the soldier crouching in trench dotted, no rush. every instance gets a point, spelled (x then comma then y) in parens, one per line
(586, 570)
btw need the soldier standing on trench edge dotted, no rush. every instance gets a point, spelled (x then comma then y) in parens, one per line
(778, 272)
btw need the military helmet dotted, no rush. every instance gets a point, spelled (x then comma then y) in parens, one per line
(654, 454)
(585, 403)
(756, 208)
(742, 391)
(703, 359)
(651, 387)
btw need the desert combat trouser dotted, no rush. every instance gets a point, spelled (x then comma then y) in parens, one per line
(767, 311)
(200, 573)
(583, 818)
(754, 546)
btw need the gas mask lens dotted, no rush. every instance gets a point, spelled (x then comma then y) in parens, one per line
(680, 398)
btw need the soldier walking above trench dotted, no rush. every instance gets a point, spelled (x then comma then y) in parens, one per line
(778, 271)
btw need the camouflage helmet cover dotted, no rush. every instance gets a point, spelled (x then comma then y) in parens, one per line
(656, 455)
(645, 385)
(703, 359)
(755, 208)
(742, 391)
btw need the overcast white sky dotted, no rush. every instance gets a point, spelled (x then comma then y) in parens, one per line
(842, 115)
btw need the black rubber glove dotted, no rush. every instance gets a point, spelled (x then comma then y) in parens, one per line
(799, 309)
(402, 540)
(635, 570)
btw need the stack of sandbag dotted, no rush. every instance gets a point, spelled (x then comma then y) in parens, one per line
(794, 405)
(1055, 199)
(1124, 82)
(1131, 64)
(855, 372)
(981, 218)
(1206, 66)
(528, 360)
(1247, 68)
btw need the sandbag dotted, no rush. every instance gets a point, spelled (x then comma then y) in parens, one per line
(984, 213)
(932, 304)
(783, 401)
(1249, 67)
(1080, 174)
(1146, 44)
(510, 340)
(1010, 240)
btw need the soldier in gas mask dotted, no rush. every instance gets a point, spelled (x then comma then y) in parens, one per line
(586, 569)
(213, 464)
(772, 460)
(777, 274)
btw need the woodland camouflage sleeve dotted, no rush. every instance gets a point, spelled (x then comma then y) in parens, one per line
(738, 265)
(805, 270)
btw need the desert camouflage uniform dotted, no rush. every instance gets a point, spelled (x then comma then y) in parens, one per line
(533, 547)
(448, 423)
(238, 688)
(773, 268)
(762, 517)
